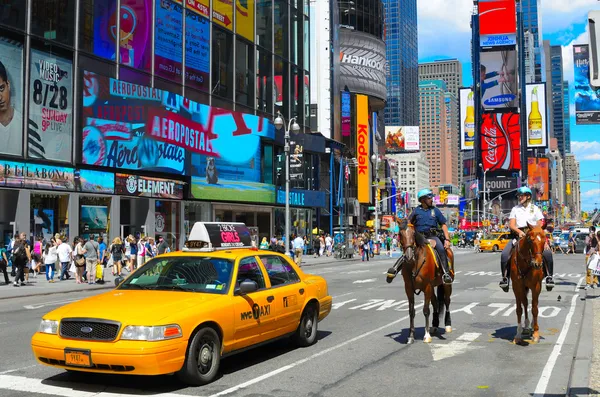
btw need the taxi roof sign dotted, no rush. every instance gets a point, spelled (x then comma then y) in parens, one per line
(209, 236)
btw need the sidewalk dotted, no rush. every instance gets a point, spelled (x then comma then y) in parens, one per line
(593, 297)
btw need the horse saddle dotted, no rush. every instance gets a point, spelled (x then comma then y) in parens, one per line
(436, 256)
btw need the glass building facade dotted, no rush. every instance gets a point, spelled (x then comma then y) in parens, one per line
(557, 107)
(532, 22)
(401, 38)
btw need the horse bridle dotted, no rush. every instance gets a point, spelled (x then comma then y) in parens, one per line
(414, 273)
(531, 255)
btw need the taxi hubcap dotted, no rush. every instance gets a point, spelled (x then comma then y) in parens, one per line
(205, 358)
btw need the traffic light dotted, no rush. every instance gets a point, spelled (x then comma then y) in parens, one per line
(378, 195)
(568, 188)
(443, 196)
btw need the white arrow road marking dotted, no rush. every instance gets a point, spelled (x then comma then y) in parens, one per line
(459, 346)
(369, 280)
(39, 306)
(337, 305)
(356, 272)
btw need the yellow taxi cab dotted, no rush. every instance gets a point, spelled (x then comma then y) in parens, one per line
(494, 242)
(182, 312)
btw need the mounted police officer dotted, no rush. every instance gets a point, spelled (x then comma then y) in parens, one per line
(426, 219)
(521, 217)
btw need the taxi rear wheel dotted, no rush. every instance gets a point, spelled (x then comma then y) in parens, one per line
(306, 334)
(203, 358)
(496, 248)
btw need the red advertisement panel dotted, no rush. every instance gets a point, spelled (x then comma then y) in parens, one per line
(497, 17)
(537, 177)
(501, 141)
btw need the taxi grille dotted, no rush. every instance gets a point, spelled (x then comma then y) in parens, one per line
(89, 329)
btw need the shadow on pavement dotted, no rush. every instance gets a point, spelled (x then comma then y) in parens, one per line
(402, 336)
(574, 392)
(508, 334)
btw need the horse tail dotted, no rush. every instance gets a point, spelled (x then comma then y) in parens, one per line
(440, 299)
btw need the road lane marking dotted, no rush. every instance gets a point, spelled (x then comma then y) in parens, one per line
(459, 346)
(39, 306)
(339, 296)
(540, 389)
(304, 360)
(337, 305)
(357, 272)
(369, 280)
(18, 369)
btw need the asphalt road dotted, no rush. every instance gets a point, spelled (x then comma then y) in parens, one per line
(362, 348)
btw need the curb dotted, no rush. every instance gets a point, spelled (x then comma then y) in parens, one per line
(111, 286)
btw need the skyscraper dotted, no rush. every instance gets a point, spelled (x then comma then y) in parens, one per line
(572, 176)
(448, 70)
(567, 118)
(532, 22)
(401, 39)
(555, 95)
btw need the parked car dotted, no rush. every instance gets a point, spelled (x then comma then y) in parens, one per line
(494, 242)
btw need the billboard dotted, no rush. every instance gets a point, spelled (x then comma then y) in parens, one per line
(105, 39)
(467, 119)
(346, 113)
(244, 18)
(401, 139)
(11, 97)
(498, 73)
(363, 149)
(36, 176)
(197, 48)
(94, 181)
(222, 13)
(500, 141)
(135, 36)
(142, 186)
(500, 183)
(587, 100)
(497, 23)
(50, 108)
(168, 39)
(537, 177)
(537, 120)
(362, 63)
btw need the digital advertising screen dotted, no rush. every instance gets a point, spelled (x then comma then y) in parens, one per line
(36, 176)
(537, 120)
(102, 18)
(95, 217)
(346, 113)
(537, 177)
(498, 74)
(222, 13)
(44, 222)
(50, 107)
(497, 22)
(91, 181)
(11, 85)
(501, 142)
(401, 139)
(135, 36)
(587, 99)
(168, 39)
(197, 49)
(467, 119)
(244, 18)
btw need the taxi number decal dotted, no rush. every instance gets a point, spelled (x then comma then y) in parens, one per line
(257, 312)
(291, 300)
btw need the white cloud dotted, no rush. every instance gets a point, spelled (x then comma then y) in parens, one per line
(445, 16)
(595, 156)
(567, 55)
(593, 193)
(562, 6)
(586, 150)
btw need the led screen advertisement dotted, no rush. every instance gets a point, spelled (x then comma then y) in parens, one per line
(537, 121)
(135, 33)
(142, 186)
(202, 7)
(346, 113)
(50, 107)
(168, 39)
(36, 176)
(105, 37)
(197, 49)
(498, 73)
(467, 119)
(44, 222)
(587, 99)
(94, 181)
(537, 177)
(497, 23)
(500, 142)
(363, 149)
(11, 97)
(94, 217)
(401, 139)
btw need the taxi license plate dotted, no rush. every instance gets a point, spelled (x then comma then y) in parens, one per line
(78, 358)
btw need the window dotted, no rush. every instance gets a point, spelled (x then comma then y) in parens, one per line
(264, 21)
(222, 63)
(264, 82)
(281, 28)
(93, 38)
(53, 20)
(244, 73)
(12, 12)
(279, 270)
(249, 269)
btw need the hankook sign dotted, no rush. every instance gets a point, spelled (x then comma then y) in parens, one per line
(362, 63)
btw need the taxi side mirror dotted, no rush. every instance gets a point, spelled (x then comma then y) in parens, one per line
(247, 286)
(118, 281)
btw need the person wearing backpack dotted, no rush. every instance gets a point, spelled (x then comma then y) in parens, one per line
(117, 249)
(21, 256)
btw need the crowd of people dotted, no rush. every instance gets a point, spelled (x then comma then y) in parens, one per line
(84, 259)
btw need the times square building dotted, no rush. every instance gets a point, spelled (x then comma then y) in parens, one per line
(168, 125)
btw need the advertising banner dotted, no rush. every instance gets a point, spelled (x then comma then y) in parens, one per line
(497, 23)
(50, 107)
(168, 39)
(537, 177)
(297, 161)
(142, 186)
(346, 113)
(11, 97)
(453, 199)
(135, 33)
(537, 120)
(303, 198)
(244, 18)
(197, 49)
(498, 72)
(36, 176)
(363, 149)
(500, 142)
(94, 217)
(44, 222)
(587, 100)
(202, 7)
(362, 63)
(94, 181)
(467, 119)
(223, 13)
(105, 38)
(401, 139)
(500, 184)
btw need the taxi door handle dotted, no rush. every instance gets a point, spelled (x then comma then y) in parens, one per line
(270, 298)
(301, 291)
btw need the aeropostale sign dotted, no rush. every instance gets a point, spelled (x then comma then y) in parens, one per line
(362, 149)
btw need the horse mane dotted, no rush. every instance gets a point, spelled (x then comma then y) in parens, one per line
(403, 224)
(420, 240)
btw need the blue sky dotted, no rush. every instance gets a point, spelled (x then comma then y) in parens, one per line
(444, 32)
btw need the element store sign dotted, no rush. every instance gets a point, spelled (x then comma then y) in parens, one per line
(140, 186)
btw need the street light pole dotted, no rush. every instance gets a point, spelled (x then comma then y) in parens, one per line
(376, 160)
(484, 189)
(279, 123)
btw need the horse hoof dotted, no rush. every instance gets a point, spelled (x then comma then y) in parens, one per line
(448, 329)
(526, 331)
(410, 341)
(535, 339)
(427, 339)
(517, 341)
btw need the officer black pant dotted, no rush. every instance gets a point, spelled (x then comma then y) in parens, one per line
(505, 258)
(439, 247)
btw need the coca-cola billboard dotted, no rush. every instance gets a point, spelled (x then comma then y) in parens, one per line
(501, 141)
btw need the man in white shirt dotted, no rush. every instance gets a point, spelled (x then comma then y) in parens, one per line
(522, 216)
(11, 120)
(298, 244)
(329, 245)
(64, 256)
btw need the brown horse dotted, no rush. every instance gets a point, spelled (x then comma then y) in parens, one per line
(421, 274)
(526, 273)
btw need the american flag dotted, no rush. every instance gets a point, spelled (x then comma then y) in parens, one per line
(474, 185)
(347, 172)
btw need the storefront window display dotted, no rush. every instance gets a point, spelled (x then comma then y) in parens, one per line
(8, 214)
(94, 216)
(167, 224)
(49, 215)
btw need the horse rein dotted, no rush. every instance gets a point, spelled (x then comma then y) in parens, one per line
(531, 256)
(415, 274)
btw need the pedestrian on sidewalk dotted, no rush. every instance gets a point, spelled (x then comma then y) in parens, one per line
(162, 247)
(92, 254)
(133, 251)
(365, 250)
(64, 256)
(592, 242)
(298, 243)
(329, 245)
(79, 258)
(141, 252)
(321, 244)
(21, 256)
(4, 264)
(264, 244)
(116, 251)
(49, 257)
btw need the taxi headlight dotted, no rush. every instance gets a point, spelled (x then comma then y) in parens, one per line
(151, 334)
(49, 327)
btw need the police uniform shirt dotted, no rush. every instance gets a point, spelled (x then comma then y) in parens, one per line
(526, 215)
(427, 219)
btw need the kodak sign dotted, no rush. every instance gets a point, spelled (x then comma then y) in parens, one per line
(362, 149)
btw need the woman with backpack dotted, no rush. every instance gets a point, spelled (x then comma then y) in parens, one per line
(21, 255)
(116, 251)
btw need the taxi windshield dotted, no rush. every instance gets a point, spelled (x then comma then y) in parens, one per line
(188, 274)
(492, 236)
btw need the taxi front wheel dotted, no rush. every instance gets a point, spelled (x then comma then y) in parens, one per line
(203, 358)
(306, 334)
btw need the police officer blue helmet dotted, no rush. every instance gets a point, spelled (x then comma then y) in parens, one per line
(524, 190)
(424, 193)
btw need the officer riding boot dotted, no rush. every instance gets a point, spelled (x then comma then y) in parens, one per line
(549, 269)
(394, 270)
(446, 278)
(504, 283)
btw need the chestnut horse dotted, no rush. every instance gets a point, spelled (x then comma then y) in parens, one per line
(527, 273)
(421, 274)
